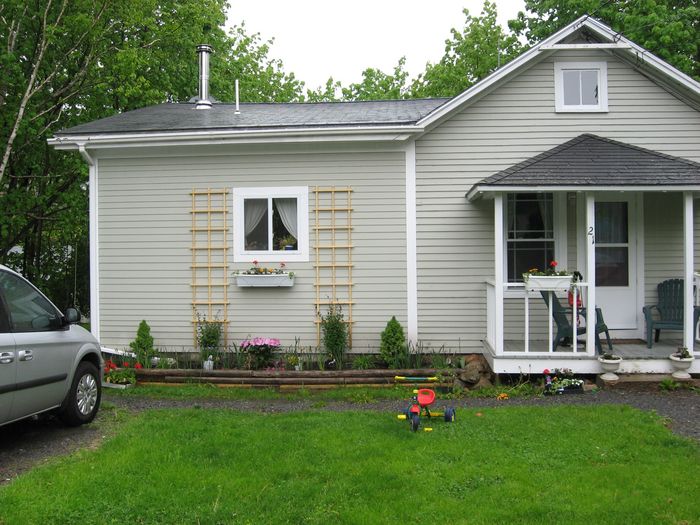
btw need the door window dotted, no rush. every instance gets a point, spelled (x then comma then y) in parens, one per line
(29, 310)
(612, 244)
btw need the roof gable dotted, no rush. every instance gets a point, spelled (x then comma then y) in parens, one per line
(571, 37)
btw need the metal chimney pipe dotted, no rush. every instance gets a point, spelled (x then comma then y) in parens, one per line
(203, 102)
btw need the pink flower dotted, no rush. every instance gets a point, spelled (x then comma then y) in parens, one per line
(553, 264)
(282, 265)
(546, 371)
(255, 262)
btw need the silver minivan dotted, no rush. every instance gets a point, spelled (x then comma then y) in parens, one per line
(47, 362)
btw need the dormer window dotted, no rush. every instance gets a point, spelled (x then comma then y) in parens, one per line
(581, 86)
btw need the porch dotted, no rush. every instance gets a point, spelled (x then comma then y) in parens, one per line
(621, 215)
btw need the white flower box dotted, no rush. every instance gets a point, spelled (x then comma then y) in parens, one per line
(547, 282)
(267, 281)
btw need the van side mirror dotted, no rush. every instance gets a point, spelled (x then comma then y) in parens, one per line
(72, 315)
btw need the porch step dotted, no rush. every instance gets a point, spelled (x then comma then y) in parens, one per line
(632, 379)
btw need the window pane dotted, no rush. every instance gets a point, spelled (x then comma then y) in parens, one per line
(572, 88)
(611, 266)
(611, 222)
(589, 88)
(530, 216)
(530, 236)
(285, 224)
(525, 255)
(29, 310)
(256, 234)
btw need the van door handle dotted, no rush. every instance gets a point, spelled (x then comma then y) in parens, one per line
(6, 358)
(26, 355)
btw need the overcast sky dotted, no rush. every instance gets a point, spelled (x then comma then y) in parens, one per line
(316, 39)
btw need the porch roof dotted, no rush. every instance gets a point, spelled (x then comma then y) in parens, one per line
(589, 161)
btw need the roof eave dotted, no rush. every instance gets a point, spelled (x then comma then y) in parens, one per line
(392, 133)
(479, 191)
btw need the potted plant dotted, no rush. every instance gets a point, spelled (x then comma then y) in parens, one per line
(264, 276)
(681, 360)
(561, 381)
(550, 279)
(288, 242)
(610, 364)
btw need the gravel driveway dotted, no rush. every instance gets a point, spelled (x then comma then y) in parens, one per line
(29, 443)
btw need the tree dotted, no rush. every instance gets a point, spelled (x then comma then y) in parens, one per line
(668, 28)
(471, 54)
(377, 85)
(67, 62)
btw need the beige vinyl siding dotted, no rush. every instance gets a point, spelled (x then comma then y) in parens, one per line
(145, 241)
(512, 123)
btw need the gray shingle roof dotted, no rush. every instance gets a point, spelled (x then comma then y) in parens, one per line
(183, 117)
(590, 160)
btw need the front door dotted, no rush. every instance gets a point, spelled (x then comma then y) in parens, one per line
(616, 271)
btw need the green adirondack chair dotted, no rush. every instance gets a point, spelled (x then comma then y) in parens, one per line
(562, 317)
(667, 314)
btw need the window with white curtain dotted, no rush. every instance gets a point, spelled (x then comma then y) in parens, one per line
(271, 224)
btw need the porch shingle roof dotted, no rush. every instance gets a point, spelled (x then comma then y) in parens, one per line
(590, 160)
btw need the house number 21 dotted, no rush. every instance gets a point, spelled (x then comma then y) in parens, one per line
(590, 234)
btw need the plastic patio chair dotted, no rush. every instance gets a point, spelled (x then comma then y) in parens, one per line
(562, 318)
(669, 310)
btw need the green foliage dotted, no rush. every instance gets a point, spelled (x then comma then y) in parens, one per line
(392, 346)
(121, 376)
(363, 362)
(208, 337)
(66, 63)
(142, 346)
(377, 85)
(471, 54)
(668, 384)
(334, 331)
(667, 28)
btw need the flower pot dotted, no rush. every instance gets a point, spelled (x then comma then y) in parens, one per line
(547, 282)
(680, 365)
(265, 281)
(609, 366)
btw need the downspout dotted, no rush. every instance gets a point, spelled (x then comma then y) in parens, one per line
(94, 239)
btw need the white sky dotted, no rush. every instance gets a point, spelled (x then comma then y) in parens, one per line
(316, 39)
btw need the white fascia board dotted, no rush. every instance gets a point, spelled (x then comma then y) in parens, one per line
(550, 45)
(479, 191)
(496, 76)
(648, 57)
(584, 47)
(344, 134)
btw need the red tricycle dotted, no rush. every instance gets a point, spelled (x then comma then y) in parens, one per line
(422, 399)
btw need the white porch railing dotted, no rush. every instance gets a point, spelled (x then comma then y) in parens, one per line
(492, 337)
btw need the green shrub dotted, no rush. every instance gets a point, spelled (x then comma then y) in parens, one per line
(393, 345)
(363, 362)
(335, 334)
(208, 337)
(142, 346)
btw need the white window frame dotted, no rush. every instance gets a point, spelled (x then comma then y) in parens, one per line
(600, 67)
(301, 254)
(559, 216)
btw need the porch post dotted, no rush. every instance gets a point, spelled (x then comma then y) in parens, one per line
(688, 248)
(590, 269)
(498, 271)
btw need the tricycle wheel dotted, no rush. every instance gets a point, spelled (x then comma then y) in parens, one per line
(415, 422)
(450, 415)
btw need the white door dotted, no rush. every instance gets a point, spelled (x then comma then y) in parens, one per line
(616, 272)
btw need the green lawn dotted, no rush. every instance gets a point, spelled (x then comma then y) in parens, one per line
(563, 464)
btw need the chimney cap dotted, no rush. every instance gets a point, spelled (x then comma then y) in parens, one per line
(204, 47)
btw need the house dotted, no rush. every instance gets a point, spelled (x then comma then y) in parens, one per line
(585, 149)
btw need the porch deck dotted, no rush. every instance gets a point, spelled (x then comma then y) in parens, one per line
(627, 349)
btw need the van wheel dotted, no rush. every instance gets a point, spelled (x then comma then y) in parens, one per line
(83, 399)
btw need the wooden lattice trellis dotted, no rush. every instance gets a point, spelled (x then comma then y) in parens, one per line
(210, 259)
(333, 249)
